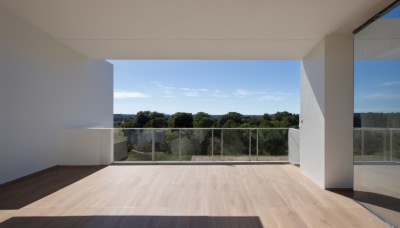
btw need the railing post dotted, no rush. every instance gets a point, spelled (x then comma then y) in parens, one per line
(384, 145)
(257, 144)
(362, 144)
(180, 145)
(153, 145)
(212, 143)
(249, 144)
(391, 144)
(222, 142)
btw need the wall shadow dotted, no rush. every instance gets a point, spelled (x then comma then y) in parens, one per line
(380, 200)
(388, 202)
(134, 221)
(19, 193)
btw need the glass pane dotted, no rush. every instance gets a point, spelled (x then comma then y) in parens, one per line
(235, 145)
(273, 145)
(377, 116)
(139, 144)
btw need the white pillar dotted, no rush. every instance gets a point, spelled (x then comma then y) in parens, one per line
(326, 113)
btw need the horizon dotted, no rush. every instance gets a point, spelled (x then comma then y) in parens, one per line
(205, 112)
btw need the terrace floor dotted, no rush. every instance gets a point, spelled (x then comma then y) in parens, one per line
(272, 195)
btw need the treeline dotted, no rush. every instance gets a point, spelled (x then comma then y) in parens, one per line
(377, 120)
(148, 119)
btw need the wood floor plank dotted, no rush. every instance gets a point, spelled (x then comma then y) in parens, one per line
(193, 196)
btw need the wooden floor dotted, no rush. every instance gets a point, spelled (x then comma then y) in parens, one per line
(378, 188)
(191, 196)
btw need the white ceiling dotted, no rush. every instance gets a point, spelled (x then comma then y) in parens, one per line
(380, 40)
(194, 29)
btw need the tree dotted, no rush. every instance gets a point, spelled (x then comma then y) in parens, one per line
(285, 119)
(230, 124)
(203, 120)
(234, 117)
(181, 120)
(158, 120)
(142, 118)
(266, 121)
(252, 122)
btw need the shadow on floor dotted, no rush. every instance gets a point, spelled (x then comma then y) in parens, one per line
(134, 221)
(388, 202)
(27, 190)
(380, 200)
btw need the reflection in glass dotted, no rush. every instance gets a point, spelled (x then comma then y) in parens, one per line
(377, 116)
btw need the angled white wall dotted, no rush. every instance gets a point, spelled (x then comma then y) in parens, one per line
(44, 87)
(312, 120)
(326, 113)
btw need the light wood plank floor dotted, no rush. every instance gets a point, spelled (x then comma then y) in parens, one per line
(192, 196)
(378, 188)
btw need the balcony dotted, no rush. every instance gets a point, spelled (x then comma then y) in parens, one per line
(234, 182)
(263, 195)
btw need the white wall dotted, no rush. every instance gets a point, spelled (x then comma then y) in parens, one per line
(312, 120)
(86, 146)
(44, 87)
(326, 113)
(339, 108)
(294, 146)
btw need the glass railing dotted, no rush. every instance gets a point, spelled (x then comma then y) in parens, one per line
(377, 144)
(201, 144)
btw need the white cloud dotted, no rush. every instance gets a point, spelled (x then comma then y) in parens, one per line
(129, 94)
(392, 83)
(283, 94)
(271, 98)
(243, 93)
(189, 92)
(168, 88)
(192, 94)
(219, 93)
(382, 96)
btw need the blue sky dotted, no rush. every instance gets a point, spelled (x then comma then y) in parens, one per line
(377, 86)
(377, 81)
(394, 13)
(212, 86)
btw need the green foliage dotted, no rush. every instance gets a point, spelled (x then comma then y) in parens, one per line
(181, 120)
(285, 120)
(203, 120)
(147, 119)
(231, 119)
(252, 123)
(378, 120)
(273, 142)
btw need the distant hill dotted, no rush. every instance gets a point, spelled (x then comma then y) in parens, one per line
(120, 117)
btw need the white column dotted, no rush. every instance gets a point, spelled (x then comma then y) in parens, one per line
(326, 113)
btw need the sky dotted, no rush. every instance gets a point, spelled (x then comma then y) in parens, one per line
(377, 85)
(250, 87)
(377, 81)
(394, 13)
